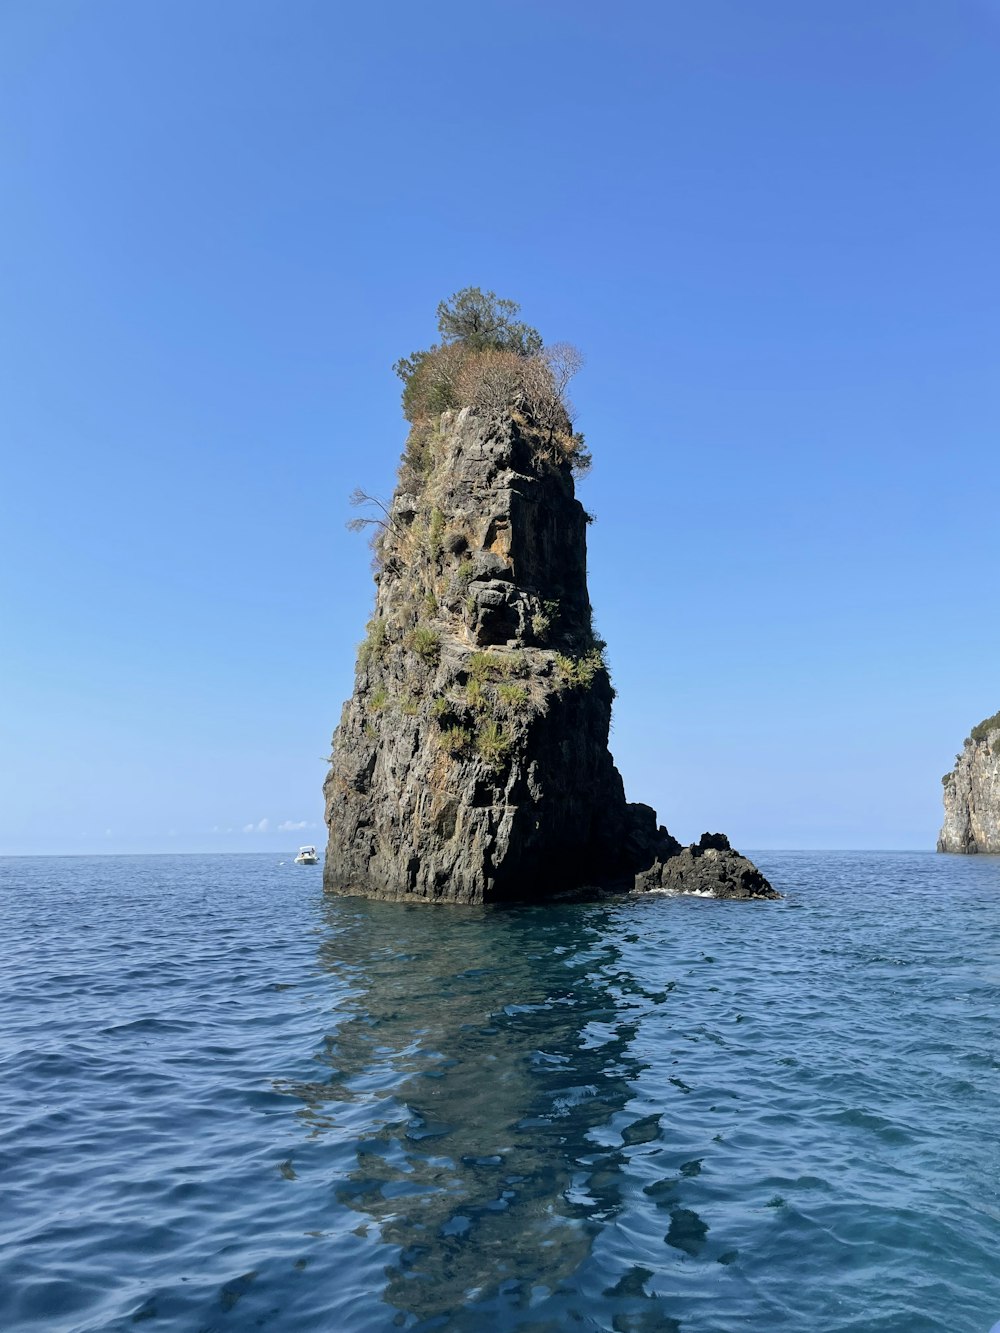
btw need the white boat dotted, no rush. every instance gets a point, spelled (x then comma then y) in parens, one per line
(306, 857)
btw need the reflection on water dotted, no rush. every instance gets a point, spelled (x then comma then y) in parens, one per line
(491, 1064)
(228, 1103)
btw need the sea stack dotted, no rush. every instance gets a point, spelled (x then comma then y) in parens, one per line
(471, 762)
(972, 793)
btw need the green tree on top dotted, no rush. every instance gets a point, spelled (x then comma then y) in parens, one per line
(481, 320)
(489, 360)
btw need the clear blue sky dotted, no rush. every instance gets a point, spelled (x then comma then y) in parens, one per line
(772, 229)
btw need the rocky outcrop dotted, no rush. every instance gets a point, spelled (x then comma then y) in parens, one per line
(972, 794)
(471, 763)
(709, 868)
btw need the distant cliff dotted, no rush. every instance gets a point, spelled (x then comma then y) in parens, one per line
(471, 763)
(972, 793)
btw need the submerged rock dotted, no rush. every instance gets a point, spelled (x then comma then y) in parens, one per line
(471, 763)
(972, 794)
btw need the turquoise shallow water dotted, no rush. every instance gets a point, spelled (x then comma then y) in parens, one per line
(227, 1103)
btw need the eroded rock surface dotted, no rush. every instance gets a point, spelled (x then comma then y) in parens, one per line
(471, 763)
(972, 794)
(710, 868)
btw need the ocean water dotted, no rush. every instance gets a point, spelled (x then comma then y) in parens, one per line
(229, 1103)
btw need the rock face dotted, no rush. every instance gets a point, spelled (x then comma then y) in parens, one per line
(972, 794)
(471, 763)
(709, 868)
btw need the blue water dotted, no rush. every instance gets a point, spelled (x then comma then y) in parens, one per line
(227, 1103)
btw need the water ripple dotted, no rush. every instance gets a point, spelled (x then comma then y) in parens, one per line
(228, 1103)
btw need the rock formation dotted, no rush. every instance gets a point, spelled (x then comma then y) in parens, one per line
(471, 763)
(972, 793)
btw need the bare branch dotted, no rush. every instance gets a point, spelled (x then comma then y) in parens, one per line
(383, 524)
(564, 361)
(360, 497)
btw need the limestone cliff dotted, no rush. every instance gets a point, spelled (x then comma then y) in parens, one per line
(972, 794)
(471, 763)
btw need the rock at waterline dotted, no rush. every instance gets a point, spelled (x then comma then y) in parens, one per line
(972, 793)
(471, 762)
(709, 868)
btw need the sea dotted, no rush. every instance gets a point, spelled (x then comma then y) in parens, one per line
(229, 1102)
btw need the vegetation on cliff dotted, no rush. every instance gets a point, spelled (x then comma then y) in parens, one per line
(471, 763)
(489, 360)
(971, 793)
(982, 731)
